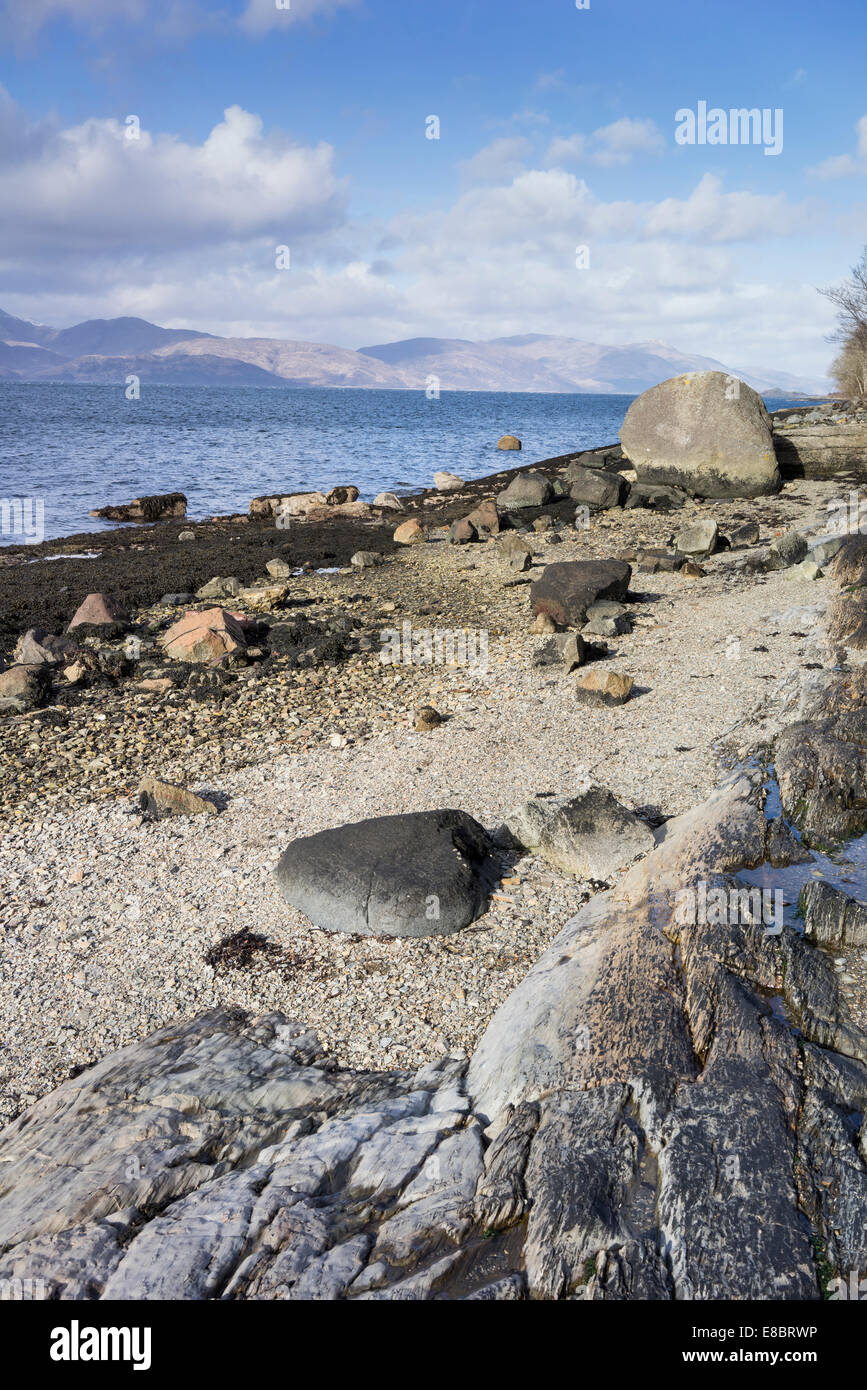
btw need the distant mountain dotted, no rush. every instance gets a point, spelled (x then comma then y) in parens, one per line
(108, 350)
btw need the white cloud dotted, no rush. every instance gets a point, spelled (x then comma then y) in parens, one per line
(713, 215)
(567, 149)
(624, 139)
(260, 16)
(846, 165)
(617, 143)
(501, 159)
(184, 234)
(90, 189)
(23, 19)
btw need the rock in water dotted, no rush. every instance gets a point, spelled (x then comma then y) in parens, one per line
(566, 589)
(158, 508)
(526, 490)
(705, 433)
(590, 835)
(423, 874)
(509, 441)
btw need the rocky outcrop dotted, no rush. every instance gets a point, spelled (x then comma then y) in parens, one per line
(703, 432)
(821, 441)
(638, 1122)
(162, 507)
(424, 874)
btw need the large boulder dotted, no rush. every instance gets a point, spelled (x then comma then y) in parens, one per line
(525, 490)
(565, 590)
(590, 835)
(597, 489)
(705, 433)
(203, 637)
(427, 873)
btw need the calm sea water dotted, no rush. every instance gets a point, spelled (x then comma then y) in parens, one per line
(79, 447)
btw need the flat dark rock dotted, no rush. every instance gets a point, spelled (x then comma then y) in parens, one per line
(427, 873)
(565, 590)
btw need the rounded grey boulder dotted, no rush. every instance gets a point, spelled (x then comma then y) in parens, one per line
(427, 873)
(704, 432)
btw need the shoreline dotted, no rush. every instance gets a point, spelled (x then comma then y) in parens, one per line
(110, 920)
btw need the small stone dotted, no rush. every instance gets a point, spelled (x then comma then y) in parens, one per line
(163, 799)
(690, 570)
(448, 482)
(462, 532)
(543, 623)
(603, 688)
(279, 568)
(366, 559)
(698, 539)
(807, 569)
(509, 441)
(390, 501)
(409, 533)
(186, 535)
(427, 718)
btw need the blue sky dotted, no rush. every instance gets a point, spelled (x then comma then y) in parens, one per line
(556, 131)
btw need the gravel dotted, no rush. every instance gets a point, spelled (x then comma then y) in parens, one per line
(107, 918)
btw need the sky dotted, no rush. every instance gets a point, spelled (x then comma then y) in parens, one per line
(156, 155)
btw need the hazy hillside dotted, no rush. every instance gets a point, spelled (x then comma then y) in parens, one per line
(107, 350)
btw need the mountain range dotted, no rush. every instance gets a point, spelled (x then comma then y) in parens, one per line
(109, 350)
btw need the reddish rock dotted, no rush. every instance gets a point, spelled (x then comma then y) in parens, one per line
(460, 532)
(99, 610)
(204, 637)
(485, 518)
(409, 533)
